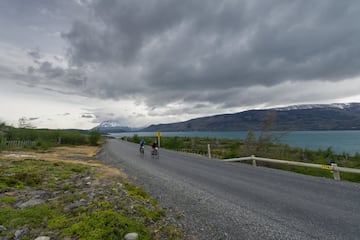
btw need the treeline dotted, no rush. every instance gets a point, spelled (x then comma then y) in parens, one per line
(44, 138)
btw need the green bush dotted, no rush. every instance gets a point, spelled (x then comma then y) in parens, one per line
(43, 138)
(34, 215)
(94, 137)
(136, 138)
(117, 225)
(73, 138)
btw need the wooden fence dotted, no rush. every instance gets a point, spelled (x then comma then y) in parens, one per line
(333, 167)
(15, 144)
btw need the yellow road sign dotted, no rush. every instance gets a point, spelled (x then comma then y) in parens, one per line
(327, 167)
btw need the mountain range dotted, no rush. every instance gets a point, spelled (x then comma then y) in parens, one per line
(339, 116)
(294, 118)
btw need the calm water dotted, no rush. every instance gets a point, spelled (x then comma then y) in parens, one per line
(339, 141)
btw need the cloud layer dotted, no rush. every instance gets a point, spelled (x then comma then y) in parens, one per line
(183, 59)
(206, 51)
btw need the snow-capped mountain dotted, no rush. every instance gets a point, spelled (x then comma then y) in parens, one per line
(315, 106)
(110, 123)
(114, 126)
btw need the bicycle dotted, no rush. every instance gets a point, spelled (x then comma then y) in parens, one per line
(142, 150)
(155, 153)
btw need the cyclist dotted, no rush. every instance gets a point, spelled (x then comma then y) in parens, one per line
(154, 148)
(142, 143)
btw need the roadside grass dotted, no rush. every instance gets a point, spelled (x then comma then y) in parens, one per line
(82, 199)
(234, 148)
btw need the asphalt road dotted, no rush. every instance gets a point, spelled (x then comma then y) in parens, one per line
(223, 200)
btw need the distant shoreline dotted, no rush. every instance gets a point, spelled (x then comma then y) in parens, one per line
(340, 141)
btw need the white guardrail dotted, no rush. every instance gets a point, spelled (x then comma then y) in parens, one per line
(333, 167)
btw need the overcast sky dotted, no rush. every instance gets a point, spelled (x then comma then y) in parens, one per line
(76, 63)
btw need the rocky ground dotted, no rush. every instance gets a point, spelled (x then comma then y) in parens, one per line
(64, 194)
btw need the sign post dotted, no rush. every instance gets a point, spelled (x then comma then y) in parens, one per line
(158, 134)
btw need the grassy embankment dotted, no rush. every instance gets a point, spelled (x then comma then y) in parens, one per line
(78, 199)
(261, 147)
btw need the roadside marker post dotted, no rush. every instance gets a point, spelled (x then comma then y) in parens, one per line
(209, 150)
(336, 172)
(158, 134)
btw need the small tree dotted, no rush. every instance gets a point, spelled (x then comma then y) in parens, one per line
(266, 138)
(136, 138)
(260, 146)
(2, 133)
(94, 137)
(250, 143)
(24, 123)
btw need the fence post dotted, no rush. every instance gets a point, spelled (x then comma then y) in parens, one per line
(209, 151)
(253, 160)
(336, 172)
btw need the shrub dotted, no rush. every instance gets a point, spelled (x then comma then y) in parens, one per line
(117, 225)
(94, 137)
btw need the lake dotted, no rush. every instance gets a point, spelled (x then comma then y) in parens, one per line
(339, 141)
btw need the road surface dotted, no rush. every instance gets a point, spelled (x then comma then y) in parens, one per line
(223, 200)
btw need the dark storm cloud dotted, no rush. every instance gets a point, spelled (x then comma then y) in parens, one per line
(35, 54)
(208, 51)
(19, 10)
(31, 70)
(50, 71)
(54, 76)
(37, 24)
(121, 28)
(90, 115)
